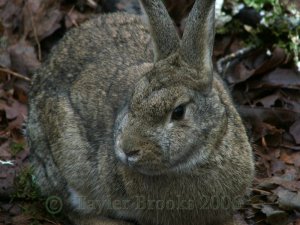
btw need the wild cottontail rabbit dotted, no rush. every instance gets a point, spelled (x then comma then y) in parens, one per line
(122, 139)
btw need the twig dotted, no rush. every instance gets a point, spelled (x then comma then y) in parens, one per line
(224, 63)
(35, 35)
(261, 191)
(15, 74)
(69, 14)
(297, 148)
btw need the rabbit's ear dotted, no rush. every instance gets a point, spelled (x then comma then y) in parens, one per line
(163, 32)
(198, 37)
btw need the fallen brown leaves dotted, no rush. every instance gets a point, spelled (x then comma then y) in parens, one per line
(26, 25)
(13, 112)
(266, 87)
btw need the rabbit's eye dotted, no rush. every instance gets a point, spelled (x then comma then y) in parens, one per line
(178, 113)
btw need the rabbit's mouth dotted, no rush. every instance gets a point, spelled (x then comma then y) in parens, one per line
(137, 163)
(152, 172)
(144, 156)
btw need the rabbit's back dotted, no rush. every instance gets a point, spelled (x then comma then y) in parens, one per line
(99, 51)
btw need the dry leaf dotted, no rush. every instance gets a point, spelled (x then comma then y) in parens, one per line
(23, 57)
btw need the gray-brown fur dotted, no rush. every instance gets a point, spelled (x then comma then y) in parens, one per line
(100, 98)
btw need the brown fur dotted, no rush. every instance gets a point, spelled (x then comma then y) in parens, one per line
(99, 98)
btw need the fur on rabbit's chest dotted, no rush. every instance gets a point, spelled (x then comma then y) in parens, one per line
(167, 202)
(173, 201)
(177, 210)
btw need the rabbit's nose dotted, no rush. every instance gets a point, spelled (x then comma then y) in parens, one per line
(132, 153)
(132, 156)
(131, 148)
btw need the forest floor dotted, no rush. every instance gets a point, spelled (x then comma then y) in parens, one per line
(264, 82)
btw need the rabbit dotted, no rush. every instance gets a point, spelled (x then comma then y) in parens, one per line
(129, 124)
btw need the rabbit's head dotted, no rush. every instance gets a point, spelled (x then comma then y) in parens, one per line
(174, 117)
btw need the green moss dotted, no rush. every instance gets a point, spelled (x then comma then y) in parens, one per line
(25, 187)
(279, 26)
(16, 148)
